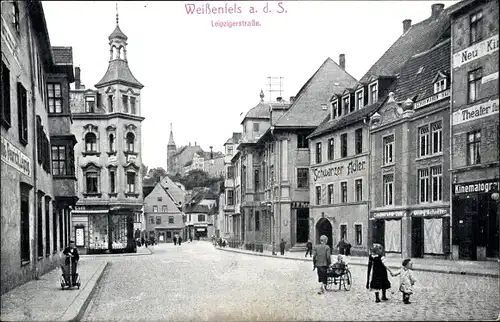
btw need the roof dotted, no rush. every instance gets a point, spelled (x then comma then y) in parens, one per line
(178, 195)
(306, 110)
(420, 37)
(117, 33)
(118, 72)
(62, 55)
(234, 139)
(431, 63)
(189, 148)
(261, 111)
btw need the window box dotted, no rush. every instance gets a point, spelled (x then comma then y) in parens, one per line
(92, 194)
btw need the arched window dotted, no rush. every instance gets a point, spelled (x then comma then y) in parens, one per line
(130, 142)
(111, 143)
(90, 142)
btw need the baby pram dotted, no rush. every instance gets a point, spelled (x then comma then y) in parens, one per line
(68, 279)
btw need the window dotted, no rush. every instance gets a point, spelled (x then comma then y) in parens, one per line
(388, 149)
(373, 93)
(339, 109)
(345, 102)
(330, 194)
(5, 97)
(89, 104)
(90, 142)
(164, 208)
(130, 142)
(110, 103)
(343, 231)
(47, 226)
(343, 191)
(151, 220)
(318, 195)
(359, 100)
(229, 150)
(256, 179)
(440, 85)
(437, 183)
(388, 180)
(437, 137)
(230, 198)
(112, 181)
(130, 182)
(230, 172)
(475, 78)
(358, 184)
(476, 27)
(256, 127)
(155, 208)
(473, 147)
(257, 221)
(111, 143)
(40, 226)
(359, 234)
(343, 145)
(125, 103)
(170, 219)
(55, 98)
(132, 106)
(302, 178)
(25, 225)
(423, 185)
(358, 141)
(324, 107)
(59, 166)
(201, 218)
(334, 109)
(15, 15)
(423, 139)
(302, 142)
(22, 111)
(91, 180)
(158, 220)
(330, 149)
(318, 152)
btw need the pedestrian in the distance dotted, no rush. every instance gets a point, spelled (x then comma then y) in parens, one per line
(179, 241)
(378, 281)
(309, 247)
(347, 248)
(175, 240)
(143, 242)
(282, 246)
(341, 246)
(406, 280)
(321, 260)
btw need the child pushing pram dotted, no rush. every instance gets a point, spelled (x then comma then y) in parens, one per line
(70, 276)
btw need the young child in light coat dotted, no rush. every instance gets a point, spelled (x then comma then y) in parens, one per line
(406, 280)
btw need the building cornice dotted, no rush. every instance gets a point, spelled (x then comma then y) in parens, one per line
(88, 116)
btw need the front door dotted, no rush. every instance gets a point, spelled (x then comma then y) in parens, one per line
(324, 227)
(302, 225)
(416, 237)
(466, 216)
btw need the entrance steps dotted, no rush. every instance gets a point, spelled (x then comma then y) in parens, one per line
(299, 247)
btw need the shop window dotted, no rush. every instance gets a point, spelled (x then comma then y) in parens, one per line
(473, 147)
(437, 183)
(151, 220)
(201, 218)
(343, 191)
(90, 143)
(130, 182)
(92, 182)
(359, 234)
(343, 145)
(5, 110)
(476, 27)
(474, 80)
(359, 189)
(89, 104)
(164, 208)
(55, 97)
(170, 219)
(39, 216)
(132, 106)
(130, 142)
(158, 220)
(155, 208)
(302, 142)
(330, 194)
(358, 141)
(257, 221)
(125, 103)
(331, 147)
(25, 225)
(318, 195)
(388, 180)
(22, 111)
(47, 226)
(318, 153)
(302, 178)
(388, 149)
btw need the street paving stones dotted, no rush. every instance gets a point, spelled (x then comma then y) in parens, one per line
(195, 281)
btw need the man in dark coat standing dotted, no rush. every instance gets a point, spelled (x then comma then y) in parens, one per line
(179, 241)
(71, 252)
(282, 246)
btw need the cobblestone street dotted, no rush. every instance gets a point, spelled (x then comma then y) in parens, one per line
(197, 282)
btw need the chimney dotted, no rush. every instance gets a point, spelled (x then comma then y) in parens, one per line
(77, 77)
(292, 98)
(436, 10)
(194, 143)
(406, 25)
(279, 99)
(342, 61)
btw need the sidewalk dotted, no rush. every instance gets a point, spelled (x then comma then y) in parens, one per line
(43, 299)
(140, 252)
(477, 268)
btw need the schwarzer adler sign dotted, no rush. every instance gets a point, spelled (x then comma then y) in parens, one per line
(483, 48)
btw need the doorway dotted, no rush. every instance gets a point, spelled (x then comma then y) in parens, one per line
(379, 232)
(466, 215)
(417, 237)
(302, 225)
(324, 227)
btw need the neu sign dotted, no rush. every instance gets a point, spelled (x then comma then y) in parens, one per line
(475, 51)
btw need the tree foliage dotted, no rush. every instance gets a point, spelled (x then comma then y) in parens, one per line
(197, 178)
(154, 175)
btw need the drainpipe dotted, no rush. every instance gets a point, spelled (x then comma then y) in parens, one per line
(369, 202)
(450, 147)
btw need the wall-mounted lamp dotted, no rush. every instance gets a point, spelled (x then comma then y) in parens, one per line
(495, 194)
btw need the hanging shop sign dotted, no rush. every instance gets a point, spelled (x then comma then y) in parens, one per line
(474, 187)
(434, 98)
(483, 48)
(475, 112)
(341, 169)
(14, 157)
(388, 214)
(429, 212)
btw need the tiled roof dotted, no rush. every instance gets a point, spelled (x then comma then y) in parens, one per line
(234, 139)
(118, 71)
(430, 63)
(62, 55)
(261, 111)
(420, 37)
(117, 33)
(190, 149)
(306, 110)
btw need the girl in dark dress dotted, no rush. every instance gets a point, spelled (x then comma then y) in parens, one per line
(379, 279)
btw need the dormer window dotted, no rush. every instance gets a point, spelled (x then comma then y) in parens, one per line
(334, 109)
(373, 93)
(359, 99)
(324, 107)
(339, 110)
(345, 103)
(440, 85)
(90, 104)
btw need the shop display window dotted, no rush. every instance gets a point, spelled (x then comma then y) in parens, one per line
(98, 232)
(119, 232)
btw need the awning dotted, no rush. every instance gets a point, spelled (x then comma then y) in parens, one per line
(90, 212)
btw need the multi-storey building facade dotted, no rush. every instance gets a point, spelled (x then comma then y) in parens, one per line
(200, 211)
(410, 145)
(107, 123)
(227, 206)
(475, 130)
(33, 231)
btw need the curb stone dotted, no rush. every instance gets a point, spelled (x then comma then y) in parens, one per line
(362, 264)
(116, 255)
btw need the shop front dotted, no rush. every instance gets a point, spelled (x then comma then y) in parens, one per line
(388, 230)
(166, 235)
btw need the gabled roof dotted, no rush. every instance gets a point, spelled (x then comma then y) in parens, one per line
(420, 37)
(261, 111)
(178, 195)
(62, 55)
(306, 110)
(118, 72)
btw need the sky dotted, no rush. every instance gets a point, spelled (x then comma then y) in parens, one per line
(202, 76)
